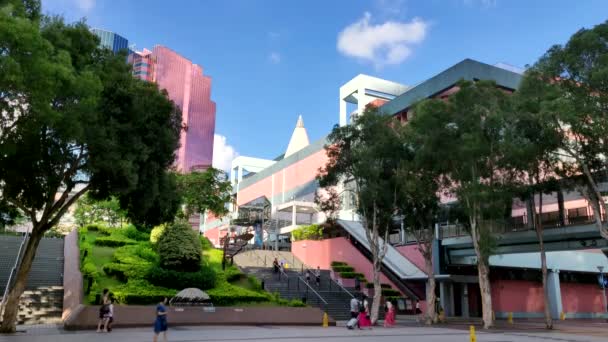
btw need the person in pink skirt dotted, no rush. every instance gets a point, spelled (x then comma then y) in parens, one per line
(364, 321)
(389, 318)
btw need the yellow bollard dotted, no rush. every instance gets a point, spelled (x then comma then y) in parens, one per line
(472, 334)
(562, 316)
(325, 320)
(441, 316)
(510, 318)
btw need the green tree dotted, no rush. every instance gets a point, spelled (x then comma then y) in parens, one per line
(89, 210)
(201, 191)
(532, 140)
(364, 154)
(463, 138)
(579, 71)
(71, 114)
(418, 204)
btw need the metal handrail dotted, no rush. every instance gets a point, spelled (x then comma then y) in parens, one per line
(308, 285)
(13, 270)
(305, 267)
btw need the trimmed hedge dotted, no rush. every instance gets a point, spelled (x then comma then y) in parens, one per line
(341, 269)
(226, 294)
(352, 275)
(233, 274)
(130, 232)
(114, 241)
(386, 286)
(390, 293)
(88, 269)
(338, 263)
(203, 279)
(311, 232)
(140, 292)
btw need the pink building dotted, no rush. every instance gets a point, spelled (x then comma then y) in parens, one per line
(190, 90)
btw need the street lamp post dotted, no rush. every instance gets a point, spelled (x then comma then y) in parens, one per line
(603, 286)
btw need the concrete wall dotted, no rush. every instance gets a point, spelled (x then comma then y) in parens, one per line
(72, 278)
(322, 253)
(214, 235)
(582, 298)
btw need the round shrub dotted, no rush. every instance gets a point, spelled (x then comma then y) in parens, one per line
(179, 248)
(156, 233)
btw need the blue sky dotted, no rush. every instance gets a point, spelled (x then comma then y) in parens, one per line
(273, 60)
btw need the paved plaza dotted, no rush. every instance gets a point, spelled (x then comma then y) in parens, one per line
(306, 334)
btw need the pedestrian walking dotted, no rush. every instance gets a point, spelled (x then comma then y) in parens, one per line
(275, 265)
(357, 284)
(160, 324)
(389, 317)
(364, 320)
(318, 276)
(354, 312)
(308, 276)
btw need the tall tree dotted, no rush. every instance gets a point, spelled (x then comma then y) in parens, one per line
(463, 137)
(71, 114)
(418, 203)
(532, 142)
(364, 154)
(579, 70)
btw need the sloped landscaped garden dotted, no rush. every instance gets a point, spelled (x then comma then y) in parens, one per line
(142, 268)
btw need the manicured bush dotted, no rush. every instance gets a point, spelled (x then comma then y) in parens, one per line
(390, 293)
(312, 232)
(179, 248)
(124, 272)
(369, 285)
(88, 269)
(130, 232)
(205, 243)
(386, 286)
(114, 240)
(203, 279)
(156, 233)
(254, 283)
(352, 275)
(226, 294)
(338, 263)
(233, 274)
(296, 303)
(393, 299)
(341, 269)
(96, 227)
(140, 292)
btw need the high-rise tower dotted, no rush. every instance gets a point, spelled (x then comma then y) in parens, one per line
(111, 40)
(191, 92)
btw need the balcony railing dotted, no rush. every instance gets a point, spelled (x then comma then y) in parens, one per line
(514, 224)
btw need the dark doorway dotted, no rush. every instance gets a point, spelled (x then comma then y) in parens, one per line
(474, 300)
(457, 288)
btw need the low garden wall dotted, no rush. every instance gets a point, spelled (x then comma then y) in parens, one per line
(72, 278)
(143, 316)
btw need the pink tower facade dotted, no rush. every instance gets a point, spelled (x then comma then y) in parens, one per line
(190, 90)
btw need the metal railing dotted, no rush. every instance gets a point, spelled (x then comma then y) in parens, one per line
(514, 224)
(307, 286)
(13, 270)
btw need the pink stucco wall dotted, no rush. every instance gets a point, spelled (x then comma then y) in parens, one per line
(295, 175)
(582, 298)
(412, 254)
(214, 235)
(322, 253)
(527, 296)
(517, 296)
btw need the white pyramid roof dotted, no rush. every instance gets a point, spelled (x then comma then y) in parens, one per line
(299, 138)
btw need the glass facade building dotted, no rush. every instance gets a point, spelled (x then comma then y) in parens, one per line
(111, 40)
(190, 90)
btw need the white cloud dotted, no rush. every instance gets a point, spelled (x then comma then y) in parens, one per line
(381, 44)
(274, 57)
(223, 154)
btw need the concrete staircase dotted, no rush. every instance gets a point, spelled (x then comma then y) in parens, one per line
(42, 301)
(329, 296)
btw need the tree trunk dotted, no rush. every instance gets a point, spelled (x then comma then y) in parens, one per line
(11, 308)
(377, 295)
(431, 314)
(594, 196)
(543, 258)
(483, 270)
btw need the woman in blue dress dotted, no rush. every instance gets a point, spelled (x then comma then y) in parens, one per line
(160, 324)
